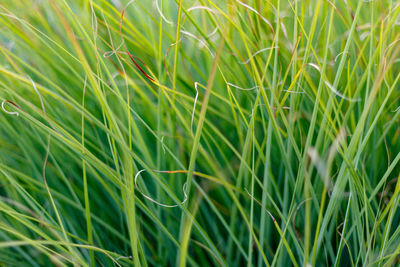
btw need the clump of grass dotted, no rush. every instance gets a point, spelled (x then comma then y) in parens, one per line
(265, 133)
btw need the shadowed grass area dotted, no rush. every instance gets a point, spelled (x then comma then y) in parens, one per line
(199, 133)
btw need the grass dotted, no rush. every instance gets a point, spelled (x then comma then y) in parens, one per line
(200, 133)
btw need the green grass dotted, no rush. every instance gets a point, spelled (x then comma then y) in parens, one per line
(199, 133)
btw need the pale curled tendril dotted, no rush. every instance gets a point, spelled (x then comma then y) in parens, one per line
(341, 53)
(336, 92)
(124, 257)
(161, 14)
(256, 53)
(184, 188)
(200, 7)
(332, 88)
(258, 13)
(162, 143)
(202, 42)
(241, 88)
(203, 8)
(194, 105)
(38, 93)
(8, 112)
(112, 52)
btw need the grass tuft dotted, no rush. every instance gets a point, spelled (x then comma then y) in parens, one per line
(200, 133)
